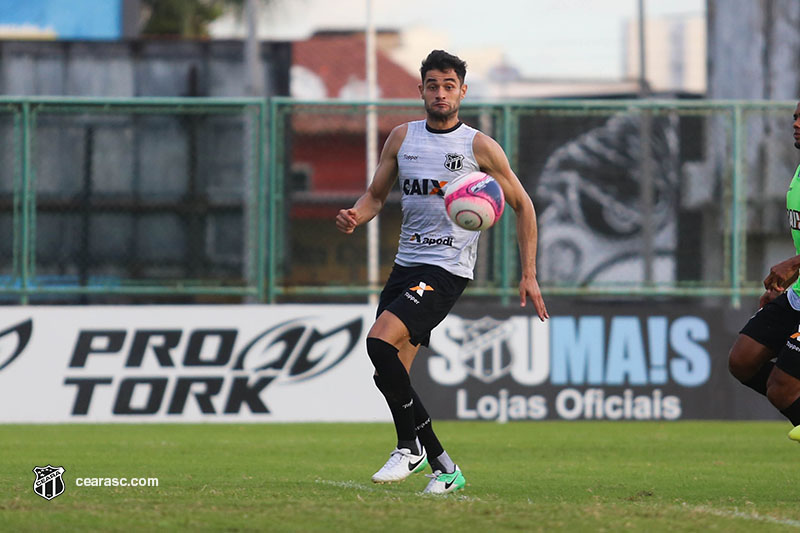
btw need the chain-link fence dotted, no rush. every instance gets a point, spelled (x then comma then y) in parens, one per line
(634, 198)
(221, 200)
(133, 198)
(10, 197)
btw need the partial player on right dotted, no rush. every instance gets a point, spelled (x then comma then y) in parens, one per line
(766, 354)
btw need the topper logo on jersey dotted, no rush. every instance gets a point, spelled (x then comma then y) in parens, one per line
(161, 369)
(419, 289)
(794, 218)
(422, 288)
(453, 162)
(13, 341)
(423, 187)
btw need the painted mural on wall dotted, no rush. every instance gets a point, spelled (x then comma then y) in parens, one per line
(590, 216)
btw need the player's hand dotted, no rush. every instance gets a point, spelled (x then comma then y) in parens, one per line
(767, 297)
(529, 288)
(346, 220)
(780, 276)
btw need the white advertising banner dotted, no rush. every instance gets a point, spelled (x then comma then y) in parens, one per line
(243, 363)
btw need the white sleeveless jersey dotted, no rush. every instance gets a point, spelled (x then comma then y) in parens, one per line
(427, 162)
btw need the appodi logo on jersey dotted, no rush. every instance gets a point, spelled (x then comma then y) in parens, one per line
(433, 240)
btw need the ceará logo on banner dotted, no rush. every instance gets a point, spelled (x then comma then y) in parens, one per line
(567, 350)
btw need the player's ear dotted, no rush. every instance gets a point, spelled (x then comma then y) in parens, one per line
(420, 91)
(463, 90)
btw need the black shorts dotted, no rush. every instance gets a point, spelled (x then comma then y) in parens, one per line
(420, 296)
(775, 326)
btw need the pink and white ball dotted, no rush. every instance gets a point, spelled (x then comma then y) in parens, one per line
(475, 201)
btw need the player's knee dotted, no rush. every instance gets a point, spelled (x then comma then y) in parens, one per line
(391, 377)
(747, 357)
(389, 328)
(741, 365)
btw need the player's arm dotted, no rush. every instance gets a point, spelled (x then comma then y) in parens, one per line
(782, 275)
(493, 161)
(768, 296)
(371, 202)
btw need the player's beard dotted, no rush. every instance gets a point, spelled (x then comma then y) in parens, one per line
(440, 114)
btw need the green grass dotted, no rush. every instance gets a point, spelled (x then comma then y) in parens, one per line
(534, 476)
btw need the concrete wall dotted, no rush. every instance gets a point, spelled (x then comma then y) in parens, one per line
(137, 68)
(137, 194)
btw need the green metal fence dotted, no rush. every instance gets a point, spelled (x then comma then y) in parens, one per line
(679, 198)
(119, 200)
(138, 197)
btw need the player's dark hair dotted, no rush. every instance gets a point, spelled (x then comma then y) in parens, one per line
(441, 60)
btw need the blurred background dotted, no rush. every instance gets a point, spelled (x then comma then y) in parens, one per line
(197, 150)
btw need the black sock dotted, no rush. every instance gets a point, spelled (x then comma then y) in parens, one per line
(793, 413)
(759, 382)
(424, 428)
(398, 412)
(392, 380)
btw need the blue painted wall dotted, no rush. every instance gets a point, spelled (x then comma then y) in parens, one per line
(70, 19)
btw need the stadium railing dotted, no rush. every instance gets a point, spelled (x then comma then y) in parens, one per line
(192, 199)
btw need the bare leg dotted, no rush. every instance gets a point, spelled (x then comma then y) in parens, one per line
(751, 363)
(746, 357)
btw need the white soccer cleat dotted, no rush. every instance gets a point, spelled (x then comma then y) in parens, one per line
(442, 483)
(401, 464)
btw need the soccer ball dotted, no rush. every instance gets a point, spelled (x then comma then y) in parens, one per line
(475, 201)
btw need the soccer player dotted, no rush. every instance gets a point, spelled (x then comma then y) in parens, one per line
(766, 354)
(427, 278)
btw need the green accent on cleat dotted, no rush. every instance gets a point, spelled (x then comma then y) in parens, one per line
(422, 466)
(442, 483)
(794, 434)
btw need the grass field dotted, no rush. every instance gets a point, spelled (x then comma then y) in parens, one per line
(542, 476)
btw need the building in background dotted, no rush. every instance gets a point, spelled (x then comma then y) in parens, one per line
(676, 63)
(491, 76)
(327, 147)
(675, 53)
(328, 151)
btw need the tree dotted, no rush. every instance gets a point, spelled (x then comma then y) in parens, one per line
(183, 18)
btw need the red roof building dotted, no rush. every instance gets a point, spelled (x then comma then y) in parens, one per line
(329, 143)
(339, 58)
(327, 147)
